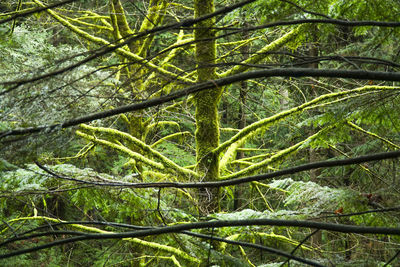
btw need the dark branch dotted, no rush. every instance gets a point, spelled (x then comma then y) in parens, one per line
(24, 236)
(256, 246)
(112, 47)
(345, 23)
(260, 177)
(64, 177)
(300, 244)
(396, 208)
(289, 72)
(214, 224)
(29, 12)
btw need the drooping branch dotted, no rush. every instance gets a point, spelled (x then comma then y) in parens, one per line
(81, 225)
(345, 23)
(256, 246)
(89, 229)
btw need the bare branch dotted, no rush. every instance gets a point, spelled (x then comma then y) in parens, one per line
(289, 72)
(214, 224)
(260, 177)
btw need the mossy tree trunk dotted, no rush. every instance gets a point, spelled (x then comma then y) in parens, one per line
(207, 120)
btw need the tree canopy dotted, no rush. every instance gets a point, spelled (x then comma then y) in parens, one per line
(205, 133)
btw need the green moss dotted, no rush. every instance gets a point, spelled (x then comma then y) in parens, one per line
(261, 125)
(206, 102)
(280, 155)
(122, 23)
(120, 51)
(262, 53)
(373, 135)
(155, 16)
(164, 164)
(123, 149)
(207, 121)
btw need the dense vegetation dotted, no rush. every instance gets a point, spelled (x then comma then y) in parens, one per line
(199, 133)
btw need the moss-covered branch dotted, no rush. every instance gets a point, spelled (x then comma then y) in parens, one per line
(262, 53)
(272, 236)
(263, 197)
(155, 15)
(138, 241)
(168, 137)
(122, 149)
(167, 163)
(118, 15)
(154, 125)
(261, 125)
(120, 51)
(230, 154)
(164, 248)
(87, 24)
(238, 44)
(374, 135)
(166, 63)
(280, 155)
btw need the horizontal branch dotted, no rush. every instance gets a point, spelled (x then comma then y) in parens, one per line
(279, 156)
(27, 236)
(214, 224)
(289, 72)
(260, 177)
(341, 22)
(84, 231)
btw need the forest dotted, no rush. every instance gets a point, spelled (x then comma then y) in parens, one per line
(200, 133)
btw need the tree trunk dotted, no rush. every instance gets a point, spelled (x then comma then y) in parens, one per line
(238, 195)
(317, 237)
(207, 120)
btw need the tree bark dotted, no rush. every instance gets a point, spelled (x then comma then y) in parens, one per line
(206, 102)
(238, 195)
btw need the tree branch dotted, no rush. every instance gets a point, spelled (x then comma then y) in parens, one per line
(28, 12)
(260, 177)
(289, 72)
(213, 224)
(116, 45)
